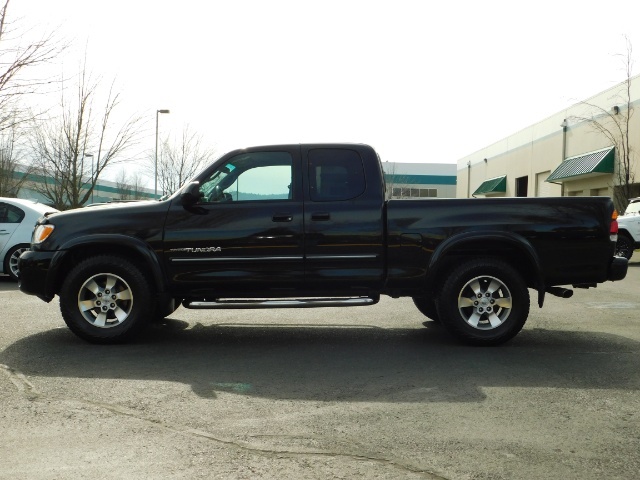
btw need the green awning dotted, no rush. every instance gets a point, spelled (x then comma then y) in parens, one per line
(493, 185)
(591, 164)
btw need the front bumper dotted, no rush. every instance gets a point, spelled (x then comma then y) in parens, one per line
(618, 269)
(34, 268)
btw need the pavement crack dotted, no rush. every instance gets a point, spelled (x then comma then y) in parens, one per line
(192, 432)
(21, 382)
(313, 453)
(25, 387)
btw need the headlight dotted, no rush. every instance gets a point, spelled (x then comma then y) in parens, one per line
(41, 233)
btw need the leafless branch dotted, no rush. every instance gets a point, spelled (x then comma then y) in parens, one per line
(181, 159)
(64, 144)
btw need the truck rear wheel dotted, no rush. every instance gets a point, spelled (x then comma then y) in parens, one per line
(484, 302)
(106, 299)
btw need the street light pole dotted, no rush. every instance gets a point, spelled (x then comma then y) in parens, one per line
(90, 155)
(155, 176)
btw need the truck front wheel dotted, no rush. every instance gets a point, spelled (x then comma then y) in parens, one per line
(484, 302)
(106, 299)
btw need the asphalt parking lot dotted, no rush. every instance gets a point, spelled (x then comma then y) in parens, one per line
(325, 393)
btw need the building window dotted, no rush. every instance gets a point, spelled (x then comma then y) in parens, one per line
(405, 192)
(522, 184)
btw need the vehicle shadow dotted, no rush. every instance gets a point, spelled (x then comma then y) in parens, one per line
(336, 363)
(6, 283)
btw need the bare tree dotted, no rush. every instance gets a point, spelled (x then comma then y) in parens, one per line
(180, 160)
(17, 56)
(13, 173)
(131, 187)
(614, 124)
(73, 149)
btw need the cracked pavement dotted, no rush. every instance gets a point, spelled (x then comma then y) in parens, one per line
(324, 393)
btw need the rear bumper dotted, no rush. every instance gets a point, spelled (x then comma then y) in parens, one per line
(618, 269)
(34, 267)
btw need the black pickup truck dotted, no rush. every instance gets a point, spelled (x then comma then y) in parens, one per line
(309, 226)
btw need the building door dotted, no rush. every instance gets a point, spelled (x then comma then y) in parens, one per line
(543, 188)
(522, 185)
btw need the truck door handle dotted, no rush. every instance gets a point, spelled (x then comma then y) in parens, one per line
(282, 217)
(320, 216)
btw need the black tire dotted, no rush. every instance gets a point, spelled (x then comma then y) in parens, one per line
(427, 307)
(129, 304)
(484, 302)
(624, 246)
(11, 261)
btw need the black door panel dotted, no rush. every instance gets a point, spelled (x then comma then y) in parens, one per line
(245, 237)
(229, 247)
(343, 224)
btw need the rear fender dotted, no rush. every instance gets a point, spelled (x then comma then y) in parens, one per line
(473, 243)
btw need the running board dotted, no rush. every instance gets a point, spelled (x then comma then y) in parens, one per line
(249, 303)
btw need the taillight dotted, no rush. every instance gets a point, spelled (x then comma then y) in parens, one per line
(613, 227)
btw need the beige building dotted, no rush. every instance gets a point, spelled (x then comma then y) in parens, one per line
(576, 152)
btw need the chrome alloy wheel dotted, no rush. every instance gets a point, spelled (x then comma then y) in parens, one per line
(13, 261)
(105, 300)
(484, 303)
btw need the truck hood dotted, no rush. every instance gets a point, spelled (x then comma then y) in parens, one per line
(143, 220)
(627, 218)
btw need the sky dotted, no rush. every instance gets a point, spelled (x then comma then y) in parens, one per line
(420, 81)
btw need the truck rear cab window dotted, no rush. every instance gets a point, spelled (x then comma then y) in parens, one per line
(335, 174)
(251, 176)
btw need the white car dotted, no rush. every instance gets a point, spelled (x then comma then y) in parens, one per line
(629, 230)
(17, 219)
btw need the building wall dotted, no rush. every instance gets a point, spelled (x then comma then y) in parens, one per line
(538, 150)
(420, 180)
(104, 191)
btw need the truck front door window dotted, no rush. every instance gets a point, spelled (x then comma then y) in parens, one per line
(258, 176)
(246, 233)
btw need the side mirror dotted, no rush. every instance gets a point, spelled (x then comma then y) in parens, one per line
(191, 194)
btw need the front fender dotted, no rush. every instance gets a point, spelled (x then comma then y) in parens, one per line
(468, 241)
(91, 245)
